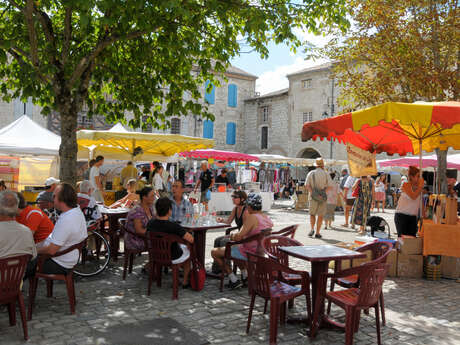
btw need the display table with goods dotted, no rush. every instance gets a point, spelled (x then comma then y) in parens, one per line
(440, 239)
(222, 201)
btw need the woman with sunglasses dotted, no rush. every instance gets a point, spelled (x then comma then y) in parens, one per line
(239, 214)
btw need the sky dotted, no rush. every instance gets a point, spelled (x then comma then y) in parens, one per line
(281, 61)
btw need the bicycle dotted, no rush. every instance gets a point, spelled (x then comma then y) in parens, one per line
(95, 255)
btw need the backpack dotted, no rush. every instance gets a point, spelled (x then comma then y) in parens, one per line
(317, 194)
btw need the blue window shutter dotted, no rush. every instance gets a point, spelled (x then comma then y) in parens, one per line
(232, 95)
(208, 129)
(231, 133)
(209, 96)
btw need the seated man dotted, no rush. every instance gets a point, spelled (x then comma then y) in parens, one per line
(87, 202)
(15, 238)
(35, 219)
(45, 198)
(179, 252)
(69, 230)
(180, 206)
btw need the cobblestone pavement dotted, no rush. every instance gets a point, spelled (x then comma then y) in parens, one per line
(417, 311)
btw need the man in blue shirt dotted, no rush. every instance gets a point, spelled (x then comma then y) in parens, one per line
(180, 206)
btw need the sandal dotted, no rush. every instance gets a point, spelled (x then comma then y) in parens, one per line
(345, 225)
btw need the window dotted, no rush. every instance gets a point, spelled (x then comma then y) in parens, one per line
(264, 114)
(232, 95)
(306, 83)
(209, 96)
(231, 133)
(84, 121)
(208, 129)
(146, 127)
(175, 126)
(264, 138)
(308, 116)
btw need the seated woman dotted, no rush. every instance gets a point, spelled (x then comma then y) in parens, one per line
(130, 199)
(138, 218)
(239, 214)
(254, 224)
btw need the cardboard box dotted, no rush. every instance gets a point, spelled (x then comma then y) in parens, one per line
(450, 267)
(410, 266)
(411, 246)
(392, 259)
(344, 263)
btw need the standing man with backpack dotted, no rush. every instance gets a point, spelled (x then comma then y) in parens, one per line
(318, 182)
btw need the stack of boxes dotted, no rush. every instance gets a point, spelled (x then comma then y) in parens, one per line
(410, 258)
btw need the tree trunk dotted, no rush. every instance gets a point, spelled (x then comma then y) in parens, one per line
(69, 148)
(441, 178)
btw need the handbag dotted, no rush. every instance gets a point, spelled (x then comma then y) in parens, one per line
(317, 194)
(198, 274)
(356, 190)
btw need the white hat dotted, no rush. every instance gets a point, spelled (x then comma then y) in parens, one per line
(319, 162)
(50, 181)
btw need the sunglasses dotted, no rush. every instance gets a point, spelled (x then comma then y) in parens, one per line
(235, 197)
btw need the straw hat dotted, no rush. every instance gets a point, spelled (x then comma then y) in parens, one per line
(319, 162)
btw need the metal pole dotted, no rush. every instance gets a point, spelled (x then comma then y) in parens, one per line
(332, 114)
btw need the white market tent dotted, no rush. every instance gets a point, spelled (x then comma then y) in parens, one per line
(269, 158)
(26, 137)
(37, 147)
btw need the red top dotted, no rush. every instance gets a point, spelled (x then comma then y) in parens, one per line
(37, 221)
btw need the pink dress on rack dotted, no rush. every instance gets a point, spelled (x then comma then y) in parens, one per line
(264, 223)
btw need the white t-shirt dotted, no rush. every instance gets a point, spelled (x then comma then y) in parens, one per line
(70, 229)
(92, 174)
(349, 184)
(380, 187)
(157, 182)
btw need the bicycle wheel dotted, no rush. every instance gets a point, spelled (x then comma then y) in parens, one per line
(95, 256)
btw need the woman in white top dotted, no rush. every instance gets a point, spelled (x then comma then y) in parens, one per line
(380, 188)
(157, 181)
(409, 204)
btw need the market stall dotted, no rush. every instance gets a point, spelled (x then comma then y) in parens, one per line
(26, 161)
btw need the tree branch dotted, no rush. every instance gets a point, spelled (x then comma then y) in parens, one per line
(16, 54)
(28, 15)
(85, 61)
(67, 34)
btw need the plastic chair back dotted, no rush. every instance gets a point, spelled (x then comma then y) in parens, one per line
(371, 278)
(288, 231)
(271, 246)
(12, 271)
(159, 246)
(259, 275)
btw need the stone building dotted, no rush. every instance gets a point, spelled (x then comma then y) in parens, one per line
(274, 121)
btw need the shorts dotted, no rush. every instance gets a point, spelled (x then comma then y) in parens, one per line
(236, 253)
(317, 208)
(330, 210)
(350, 202)
(185, 255)
(204, 197)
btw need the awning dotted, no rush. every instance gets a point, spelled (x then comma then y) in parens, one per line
(228, 156)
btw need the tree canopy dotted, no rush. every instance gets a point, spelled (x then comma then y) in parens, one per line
(403, 50)
(149, 58)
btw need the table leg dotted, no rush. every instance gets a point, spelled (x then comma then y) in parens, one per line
(200, 245)
(318, 289)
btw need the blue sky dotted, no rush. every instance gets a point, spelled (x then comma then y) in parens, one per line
(281, 61)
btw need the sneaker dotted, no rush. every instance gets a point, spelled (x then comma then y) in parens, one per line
(235, 285)
(311, 233)
(318, 236)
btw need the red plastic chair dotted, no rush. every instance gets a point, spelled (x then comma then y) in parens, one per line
(271, 245)
(130, 253)
(263, 281)
(371, 277)
(236, 262)
(379, 253)
(67, 278)
(288, 231)
(159, 247)
(12, 271)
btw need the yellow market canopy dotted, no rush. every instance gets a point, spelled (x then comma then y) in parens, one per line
(138, 146)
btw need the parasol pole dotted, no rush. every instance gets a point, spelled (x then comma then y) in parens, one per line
(421, 194)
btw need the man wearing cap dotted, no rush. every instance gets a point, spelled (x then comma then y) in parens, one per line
(317, 183)
(45, 198)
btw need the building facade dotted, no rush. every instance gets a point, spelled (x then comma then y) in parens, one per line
(311, 96)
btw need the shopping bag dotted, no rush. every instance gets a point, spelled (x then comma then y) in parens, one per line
(198, 275)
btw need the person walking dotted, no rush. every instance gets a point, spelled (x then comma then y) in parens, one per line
(332, 195)
(363, 189)
(317, 182)
(206, 182)
(347, 195)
